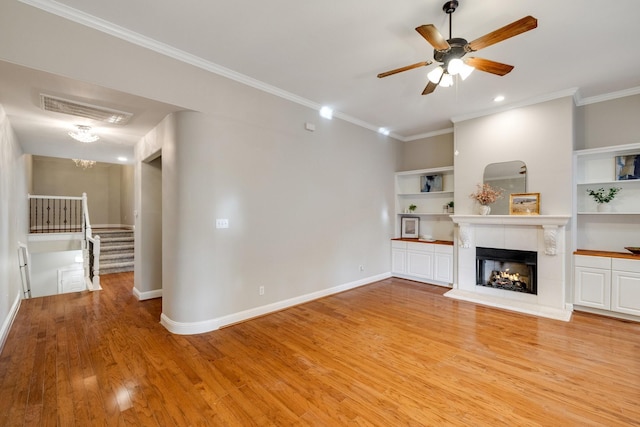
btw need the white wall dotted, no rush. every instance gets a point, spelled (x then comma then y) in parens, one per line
(44, 270)
(540, 135)
(13, 221)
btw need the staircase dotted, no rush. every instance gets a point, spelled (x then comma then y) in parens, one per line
(116, 250)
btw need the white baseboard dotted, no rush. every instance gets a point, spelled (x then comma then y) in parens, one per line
(6, 325)
(141, 296)
(190, 328)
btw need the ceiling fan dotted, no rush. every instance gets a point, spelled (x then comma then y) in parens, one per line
(450, 52)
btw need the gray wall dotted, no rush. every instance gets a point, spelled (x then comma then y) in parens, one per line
(13, 220)
(305, 209)
(110, 198)
(608, 123)
(433, 152)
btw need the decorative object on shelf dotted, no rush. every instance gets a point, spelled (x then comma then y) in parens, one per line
(485, 195)
(602, 197)
(412, 208)
(84, 164)
(633, 249)
(430, 183)
(450, 207)
(83, 134)
(627, 167)
(410, 227)
(524, 204)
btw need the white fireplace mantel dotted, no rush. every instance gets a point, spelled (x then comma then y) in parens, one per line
(549, 223)
(534, 220)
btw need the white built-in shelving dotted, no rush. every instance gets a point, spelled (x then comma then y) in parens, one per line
(618, 227)
(430, 206)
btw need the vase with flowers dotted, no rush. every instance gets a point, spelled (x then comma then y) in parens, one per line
(602, 197)
(485, 195)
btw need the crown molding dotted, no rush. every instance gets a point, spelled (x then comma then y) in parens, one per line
(138, 39)
(531, 101)
(427, 135)
(608, 96)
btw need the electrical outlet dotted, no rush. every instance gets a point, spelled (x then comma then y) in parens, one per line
(361, 267)
(261, 290)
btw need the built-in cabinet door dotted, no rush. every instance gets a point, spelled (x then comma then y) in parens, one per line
(420, 264)
(399, 261)
(443, 267)
(593, 287)
(625, 292)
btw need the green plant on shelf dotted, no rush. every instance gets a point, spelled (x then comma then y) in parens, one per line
(603, 196)
(412, 208)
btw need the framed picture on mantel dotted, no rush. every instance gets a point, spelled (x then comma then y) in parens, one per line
(410, 227)
(524, 204)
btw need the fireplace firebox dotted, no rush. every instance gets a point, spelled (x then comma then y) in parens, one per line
(508, 269)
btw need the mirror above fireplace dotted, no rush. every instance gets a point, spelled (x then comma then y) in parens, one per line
(510, 177)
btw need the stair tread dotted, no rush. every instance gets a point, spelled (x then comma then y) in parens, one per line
(115, 247)
(119, 255)
(115, 264)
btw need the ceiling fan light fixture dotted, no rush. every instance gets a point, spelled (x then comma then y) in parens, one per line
(465, 71)
(83, 134)
(447, 80)
(455, 66)
(435, 74)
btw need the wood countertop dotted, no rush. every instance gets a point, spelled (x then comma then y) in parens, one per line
(434, 242)
(608, 254)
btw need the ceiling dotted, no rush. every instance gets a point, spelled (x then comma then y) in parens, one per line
(330, 52)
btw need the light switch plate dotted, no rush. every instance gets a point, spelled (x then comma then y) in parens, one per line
(222, 223)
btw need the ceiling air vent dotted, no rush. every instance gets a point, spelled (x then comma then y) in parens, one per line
(74, 108)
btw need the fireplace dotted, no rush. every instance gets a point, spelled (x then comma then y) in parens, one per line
(507, 269)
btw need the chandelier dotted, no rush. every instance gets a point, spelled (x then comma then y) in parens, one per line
(83, 134)
(84, 164)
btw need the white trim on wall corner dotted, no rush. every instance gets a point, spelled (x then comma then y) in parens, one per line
(141, 296)
(6, 325)
(181, 328)
(573, 92)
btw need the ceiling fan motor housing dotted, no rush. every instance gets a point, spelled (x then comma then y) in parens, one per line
(457, 50)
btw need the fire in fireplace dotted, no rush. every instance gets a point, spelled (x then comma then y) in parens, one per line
(508, 269)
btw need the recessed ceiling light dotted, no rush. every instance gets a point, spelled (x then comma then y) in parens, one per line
(122, 159)
(326, 112)
(499, 98)
(383, 131)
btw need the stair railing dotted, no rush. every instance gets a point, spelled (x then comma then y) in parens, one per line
(90, 250)
(55, 214)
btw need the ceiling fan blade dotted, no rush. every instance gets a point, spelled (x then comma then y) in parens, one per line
(433, 36)
(431, 86)
(489, 66)
(401, 69)
(518, 27)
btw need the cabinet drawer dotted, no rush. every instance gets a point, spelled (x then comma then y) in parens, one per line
(420, 247)
(397, 244)
(630, 265)
(444, 249)
(592, 261)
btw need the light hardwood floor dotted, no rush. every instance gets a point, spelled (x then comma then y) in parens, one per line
(392, 353)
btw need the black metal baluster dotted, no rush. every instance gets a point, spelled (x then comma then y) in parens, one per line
(48, 214)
